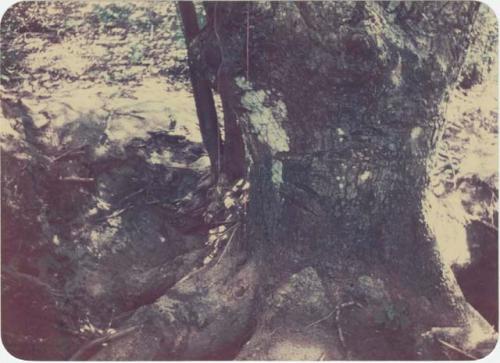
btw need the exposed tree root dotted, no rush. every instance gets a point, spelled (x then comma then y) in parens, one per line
(144, 288)
(208, 315)
(86, 351)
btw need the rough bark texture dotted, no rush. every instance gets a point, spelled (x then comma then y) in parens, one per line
(338, 117)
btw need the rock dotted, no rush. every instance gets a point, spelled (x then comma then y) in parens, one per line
(372, 288)
(295, 324)
(303, 293)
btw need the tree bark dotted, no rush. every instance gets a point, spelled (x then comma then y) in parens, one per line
(338, 118)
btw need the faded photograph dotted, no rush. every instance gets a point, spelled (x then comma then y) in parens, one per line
(249, 180)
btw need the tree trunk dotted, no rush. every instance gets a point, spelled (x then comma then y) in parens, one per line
(204, 100)
(339, 117)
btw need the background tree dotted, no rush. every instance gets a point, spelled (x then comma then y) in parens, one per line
(204, 100)
(230, 162)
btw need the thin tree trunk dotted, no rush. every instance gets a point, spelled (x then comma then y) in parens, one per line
(204, 100)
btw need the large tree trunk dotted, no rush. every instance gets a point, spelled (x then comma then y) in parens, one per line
(339, 117)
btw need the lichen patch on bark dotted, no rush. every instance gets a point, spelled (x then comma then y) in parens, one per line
(266, 117)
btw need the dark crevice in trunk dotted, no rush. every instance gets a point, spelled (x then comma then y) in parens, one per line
(234, 153)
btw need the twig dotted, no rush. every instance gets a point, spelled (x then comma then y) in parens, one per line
(83, 351)
(234, 225)
(487, 224)
(76, 179)
(320, 320)
(339, 329)
(337, 311)
(111, 319)
(456, 349)
(115, 213)
(204, 267)
(248, 41)
(133, 194)
(130, 114)
(68, 152)
(227, 245)
(192, 273)
(219, 44)
(337, 319)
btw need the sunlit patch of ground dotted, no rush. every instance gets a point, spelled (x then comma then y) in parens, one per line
(467, 149)
(296, 350)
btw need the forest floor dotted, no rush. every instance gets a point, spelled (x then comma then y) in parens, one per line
(104, 176)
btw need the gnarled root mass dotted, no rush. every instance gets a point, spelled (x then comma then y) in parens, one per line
(207, 315)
